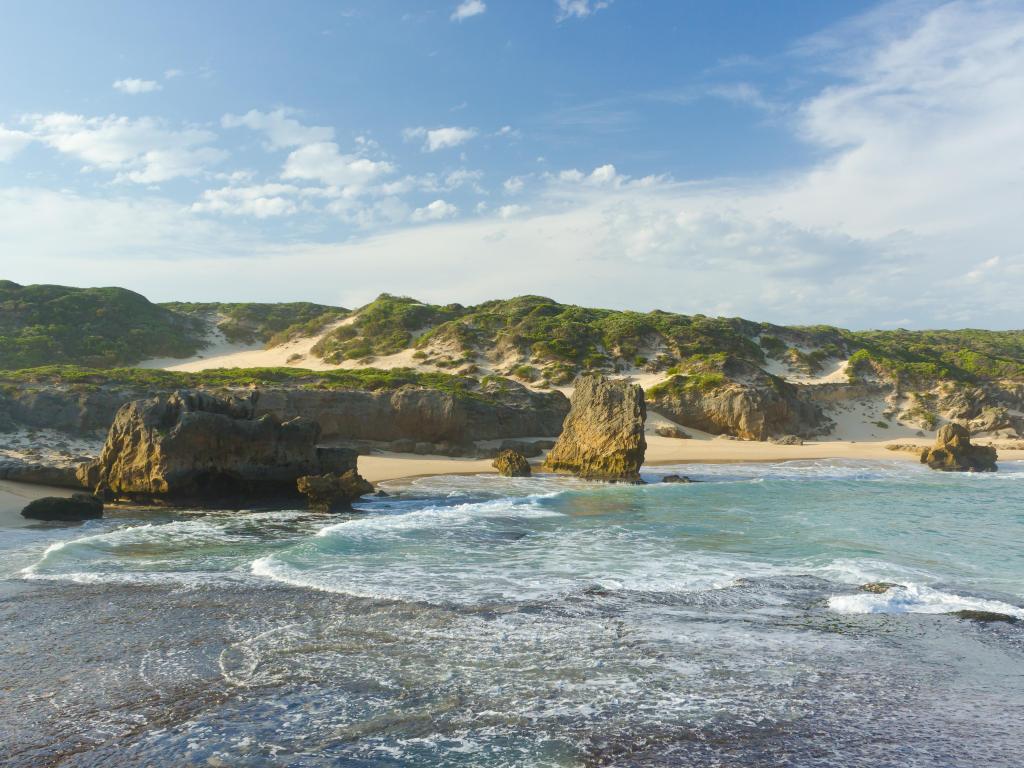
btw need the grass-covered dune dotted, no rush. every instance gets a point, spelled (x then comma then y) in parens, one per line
(270, 324)
(46, 324)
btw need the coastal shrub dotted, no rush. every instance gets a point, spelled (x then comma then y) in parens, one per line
(251, 322)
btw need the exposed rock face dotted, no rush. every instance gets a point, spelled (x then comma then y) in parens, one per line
(197, 448)
(953, 452)
(671, 430)
(423, 415)
(750, 404)
(39, 474)
(81, 506)
(511, 464)
(333, 493)
(603, 435)
(788, 440)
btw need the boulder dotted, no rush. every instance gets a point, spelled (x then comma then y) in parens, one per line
(953, 452)
(984, 617)
(671, 430)
(603, 435)
(331, 492)
(877, 587)
(193, 447)
(80, 506)
(511, 464)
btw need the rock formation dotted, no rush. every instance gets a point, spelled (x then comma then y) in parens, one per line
(192, 447)
(953, 452)
(333, 493)
(603, 435)
(81, 506)
(671, 430)
(744, 402)
(511, 464)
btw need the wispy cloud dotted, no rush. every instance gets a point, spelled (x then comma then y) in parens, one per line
(134, 86)
(440, 138)
(578, 9)
(282, 130)
(468, 9)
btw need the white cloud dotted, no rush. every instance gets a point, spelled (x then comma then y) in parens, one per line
(440, 138)
(143, 151)
(171, 74)
(510, 211)
(12, 142)
(468, 9)
(435, 211)
(281, 130)
(514, 185)
(261, 201)
(579, 9)
(134, 86)
(324, 162)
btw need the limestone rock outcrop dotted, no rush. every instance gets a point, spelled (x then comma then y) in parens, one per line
(511, 464)
(197, 448)
(743, 401)
(333, 492)
(953, 452)
(603, 435)
(80, 506)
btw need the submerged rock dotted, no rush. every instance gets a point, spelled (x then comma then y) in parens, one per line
(512, 464)
(333, 493)
(676, 479)
(603, 435)
(953, 452)
(192, 447)
(984, 617)
(80, 506)
(877, 587)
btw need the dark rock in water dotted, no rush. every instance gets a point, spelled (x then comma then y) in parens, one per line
(81, 506)
(953, 452)
(333, 493)
(381, 494)
(877, 587)
(676, 479)
(788, 440)
(984, 617)
(671, 430)
(512, 464)
(603, 435)
(192, 447)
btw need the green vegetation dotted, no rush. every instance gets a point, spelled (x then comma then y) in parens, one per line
(45, 324)
(697, 382)
(372, 379)
(271, 324)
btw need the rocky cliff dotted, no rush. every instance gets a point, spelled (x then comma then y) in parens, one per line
(193, 447)
(603, 435)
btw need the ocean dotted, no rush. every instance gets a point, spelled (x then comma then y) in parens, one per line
(488, 621)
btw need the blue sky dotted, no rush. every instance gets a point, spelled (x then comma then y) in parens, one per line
(852, 163)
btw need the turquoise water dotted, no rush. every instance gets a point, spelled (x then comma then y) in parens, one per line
(491, 621)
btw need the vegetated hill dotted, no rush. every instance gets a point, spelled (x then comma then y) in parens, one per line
(270, 324)
(46, 324)
(545, 342)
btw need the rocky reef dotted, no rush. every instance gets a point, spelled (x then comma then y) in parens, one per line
(603, 435)
(511, 464)
(193, 447)
(954, 452)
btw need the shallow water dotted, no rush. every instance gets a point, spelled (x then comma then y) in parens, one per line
(537, 622)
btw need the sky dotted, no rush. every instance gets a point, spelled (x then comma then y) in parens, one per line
(858, 163)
